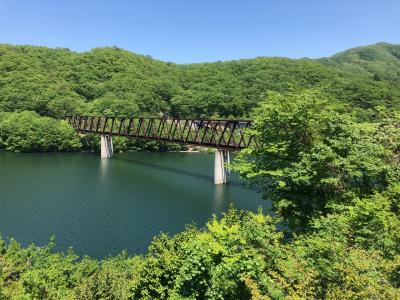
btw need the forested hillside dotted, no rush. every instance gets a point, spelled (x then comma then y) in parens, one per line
(333, 179)
(379, 62)
(334, 185)
(55, 82)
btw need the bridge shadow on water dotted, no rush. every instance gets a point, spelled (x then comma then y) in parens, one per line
(176, 171)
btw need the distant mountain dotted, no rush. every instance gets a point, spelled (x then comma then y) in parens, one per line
(380, 61)
(113, 81)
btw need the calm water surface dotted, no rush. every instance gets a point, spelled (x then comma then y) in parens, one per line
(103, 206)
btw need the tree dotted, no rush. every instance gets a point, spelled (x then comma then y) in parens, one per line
(28, 132)
(312, 158)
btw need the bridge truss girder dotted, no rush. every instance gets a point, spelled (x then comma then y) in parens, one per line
(220, 134)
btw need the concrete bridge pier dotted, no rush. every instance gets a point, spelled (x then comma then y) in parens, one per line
(221, 171)
(106, 145)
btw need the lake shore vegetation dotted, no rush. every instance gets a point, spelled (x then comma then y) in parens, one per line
(334, 181)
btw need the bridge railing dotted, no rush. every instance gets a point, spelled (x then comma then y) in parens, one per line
(222, 134)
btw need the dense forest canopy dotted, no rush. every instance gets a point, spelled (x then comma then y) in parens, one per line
(112, 81)
(379, 61)
(334, 182)
(329, 135)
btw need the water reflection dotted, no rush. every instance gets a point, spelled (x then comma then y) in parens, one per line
(104, 167)
(219, 195)
(102, 206)
(171, 169)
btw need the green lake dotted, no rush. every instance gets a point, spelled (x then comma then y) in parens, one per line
(103, 206)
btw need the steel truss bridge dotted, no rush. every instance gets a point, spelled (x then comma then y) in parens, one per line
(213, 133)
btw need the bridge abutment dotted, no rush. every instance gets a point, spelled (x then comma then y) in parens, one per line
(221, 171)
(106, 145)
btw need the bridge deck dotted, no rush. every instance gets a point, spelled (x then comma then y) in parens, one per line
(221, 134)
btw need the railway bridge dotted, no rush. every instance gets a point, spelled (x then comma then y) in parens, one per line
(222, 135)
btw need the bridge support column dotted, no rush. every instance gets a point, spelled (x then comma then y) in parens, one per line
(106, 145)
(221, 171)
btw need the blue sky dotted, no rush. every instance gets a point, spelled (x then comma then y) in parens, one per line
(203, 30)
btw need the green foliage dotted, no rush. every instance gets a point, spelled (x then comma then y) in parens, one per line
(313, 158)
(350, 254)
(110, 105)
(121, 144)
(329, 161)
(27, 132)
(56, 82)
(381, 60)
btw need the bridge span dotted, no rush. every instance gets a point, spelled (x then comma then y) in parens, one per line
(223, 135)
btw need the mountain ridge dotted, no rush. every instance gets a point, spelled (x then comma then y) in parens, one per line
(380, 60)
(57, 81)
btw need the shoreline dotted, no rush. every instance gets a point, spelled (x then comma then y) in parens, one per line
(203, 150)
